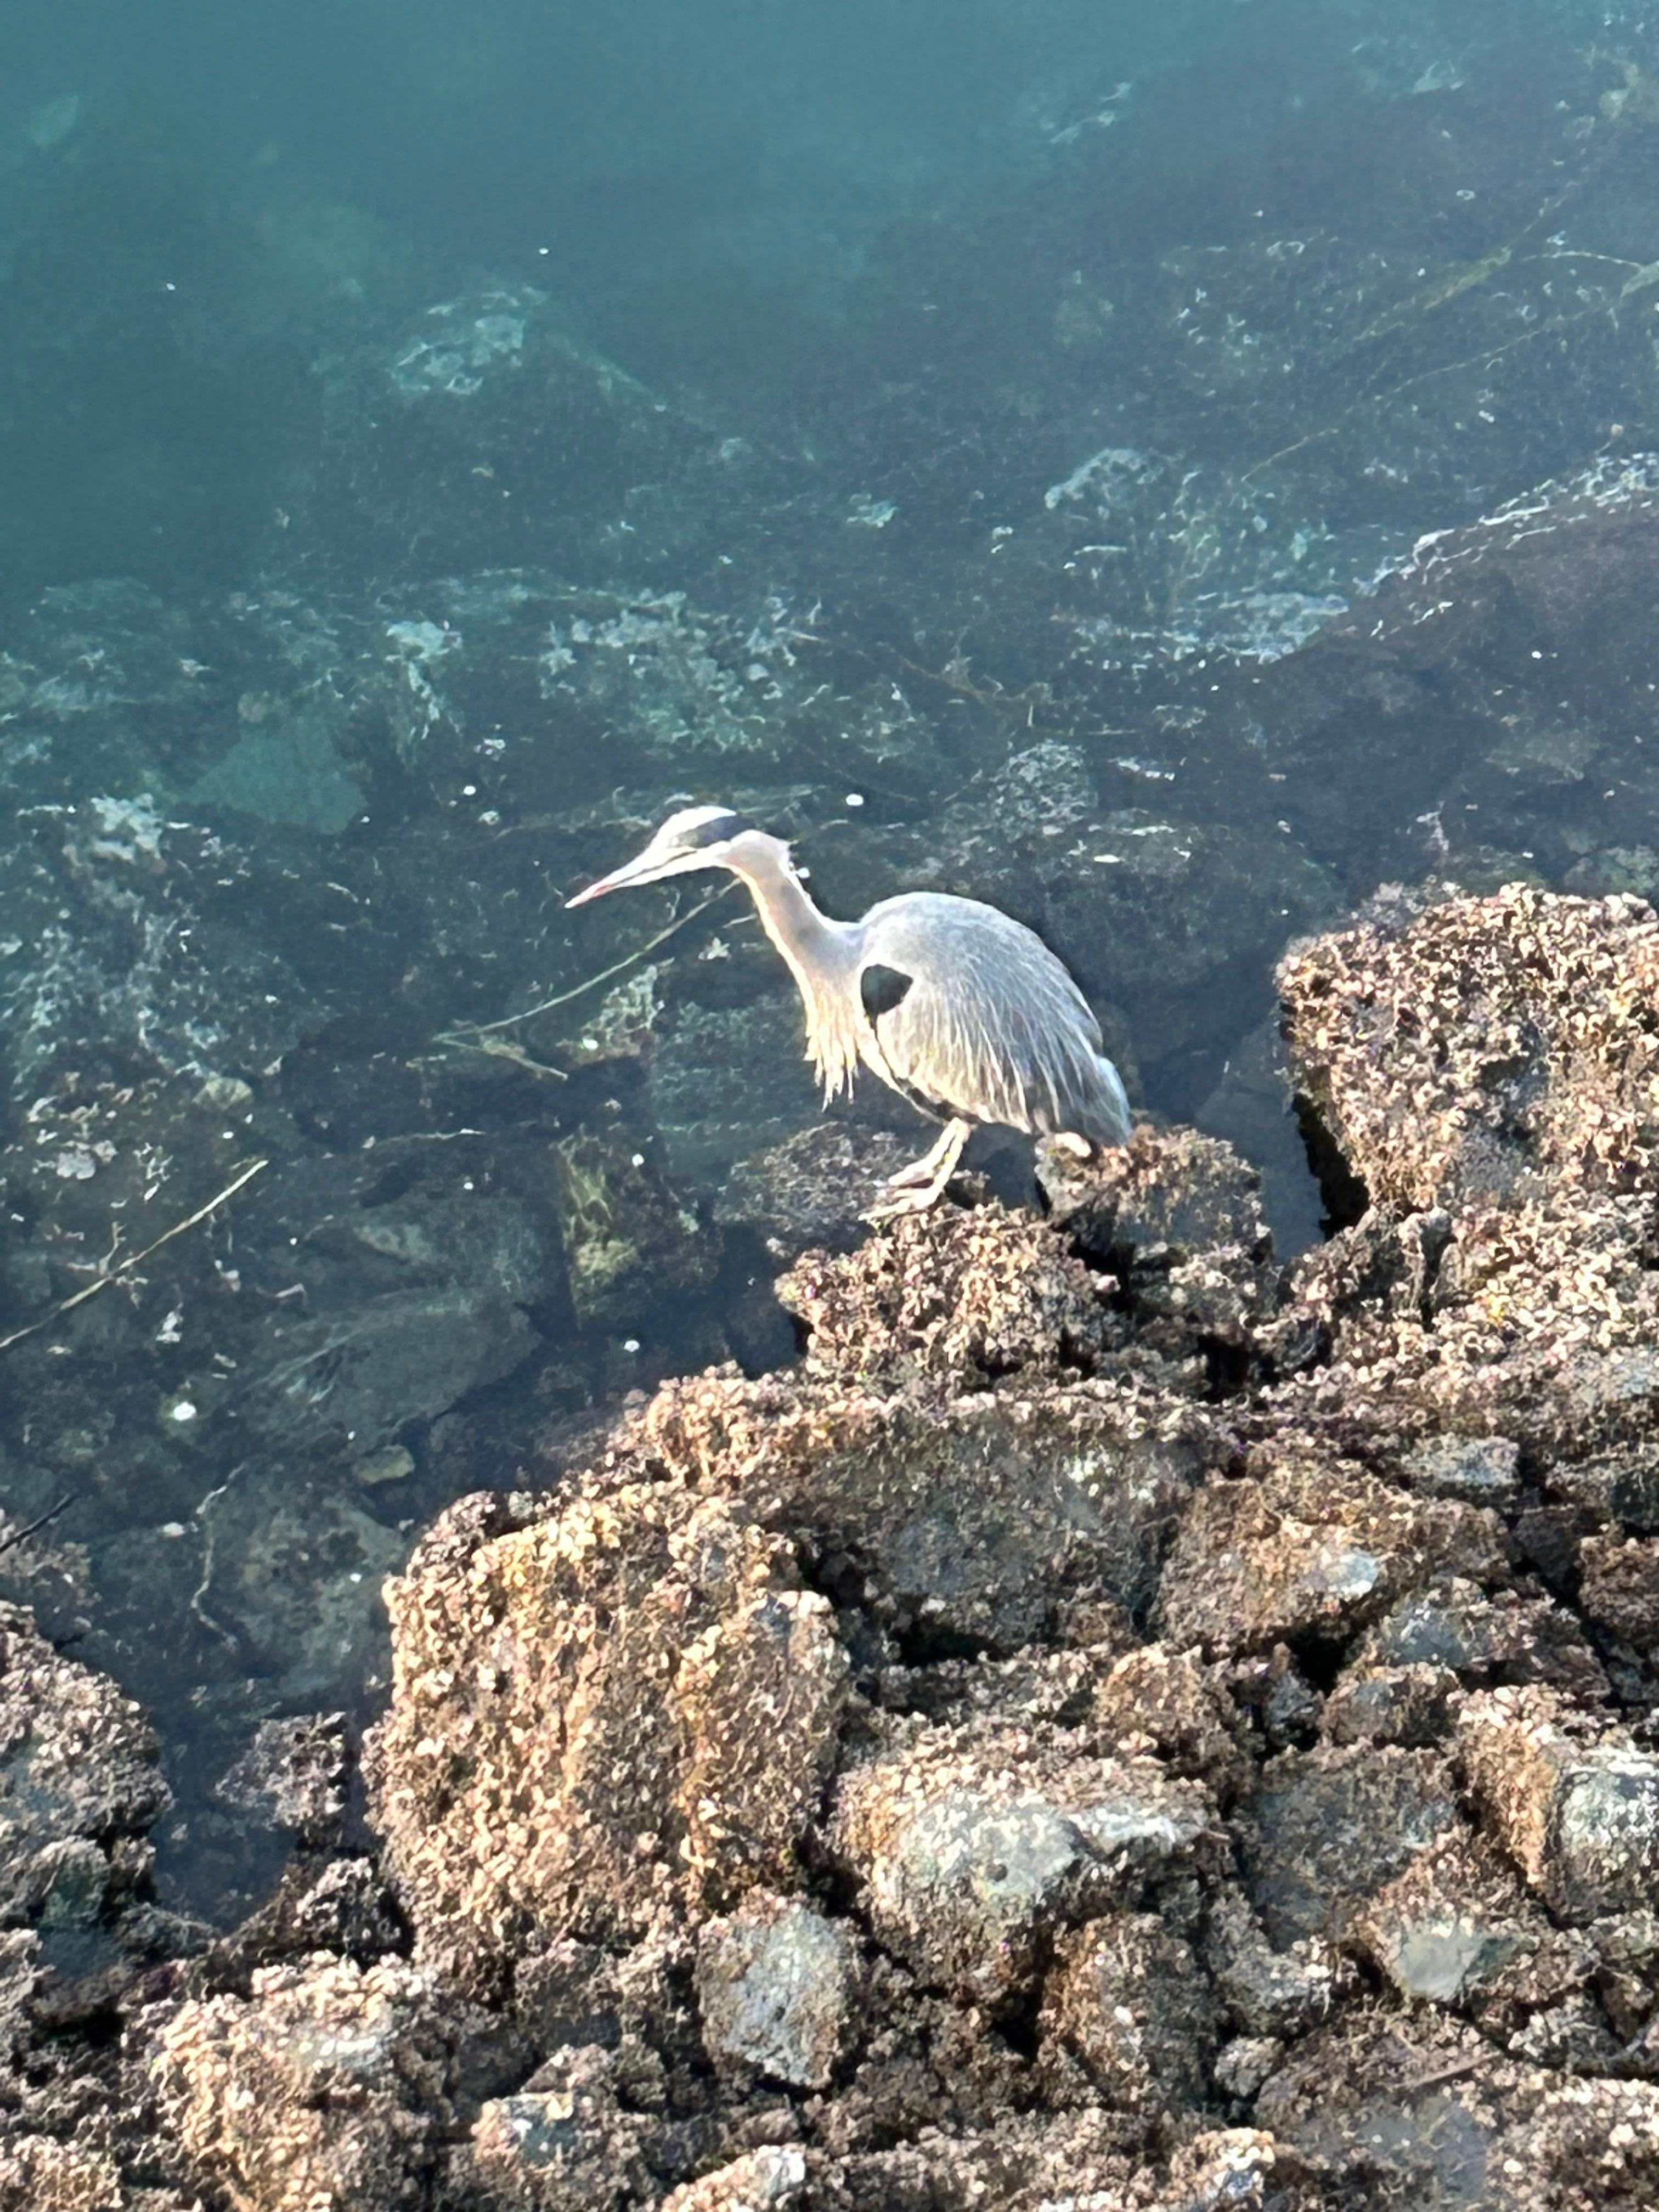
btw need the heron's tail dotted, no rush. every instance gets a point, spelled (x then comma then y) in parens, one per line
(1113, 1121)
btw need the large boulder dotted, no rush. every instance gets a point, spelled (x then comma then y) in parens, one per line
(626, 1707)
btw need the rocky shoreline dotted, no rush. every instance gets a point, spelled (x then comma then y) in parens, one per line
(1119, 1723)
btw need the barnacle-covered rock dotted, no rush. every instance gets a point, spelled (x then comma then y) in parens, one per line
(79, 1785)
(776, 1986)
(1493, 1052)
(971, 1849)
(1131, 1999)
(1574, 1802)
(324, 2085)
(983, 1515)
(1108, 1685)
(625, 1707)
(1309, 1549)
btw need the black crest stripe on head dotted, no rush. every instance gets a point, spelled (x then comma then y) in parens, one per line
(716, 831)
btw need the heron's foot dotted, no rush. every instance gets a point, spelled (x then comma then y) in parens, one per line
(922, 1183)
(906, 1201)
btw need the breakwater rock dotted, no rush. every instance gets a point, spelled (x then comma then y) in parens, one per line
(1119, 1722)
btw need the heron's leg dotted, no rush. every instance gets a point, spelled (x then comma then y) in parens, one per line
(934, 1172)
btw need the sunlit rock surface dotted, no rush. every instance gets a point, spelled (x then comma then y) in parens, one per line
(1111, 1714)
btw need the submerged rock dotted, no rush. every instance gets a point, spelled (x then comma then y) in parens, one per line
(79, 1786)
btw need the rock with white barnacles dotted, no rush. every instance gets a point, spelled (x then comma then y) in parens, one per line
(1129, 1998)
(1487, 1070)
(970, 1852)
(1490, 1053)
(79, 1786)
(776, 1983)
(1117, 1723)
(326, 2085)
(633, 1698)
(1575, 1807)
(1312, 1547)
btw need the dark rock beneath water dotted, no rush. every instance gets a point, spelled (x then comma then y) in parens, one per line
(79, 1787)
(295, 1774)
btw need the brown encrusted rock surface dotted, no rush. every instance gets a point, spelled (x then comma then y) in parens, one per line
(1494, 1050)
(1575, 1804)
(1620, 1587)
(1456, 1928)
(1120, 1724)
(79, 1784)
(1180, 1214)
(565, 2142)
(1489, 1071)
(38, 2174)
(1127, 1998)
(1310, 1546)
(1326, 1829)
(982, 1517)
(996, 1292)
(324, 2086)
(627, 1708)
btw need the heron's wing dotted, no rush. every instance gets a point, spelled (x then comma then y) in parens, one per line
(992, 1026)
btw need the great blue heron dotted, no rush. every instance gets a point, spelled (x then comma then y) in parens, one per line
(963, 1010)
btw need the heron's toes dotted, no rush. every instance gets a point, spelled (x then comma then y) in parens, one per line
(902, 1202)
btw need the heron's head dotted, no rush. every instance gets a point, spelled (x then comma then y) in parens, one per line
(696, 837)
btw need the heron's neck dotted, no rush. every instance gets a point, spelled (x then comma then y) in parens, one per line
(822, 954)
(812, 944)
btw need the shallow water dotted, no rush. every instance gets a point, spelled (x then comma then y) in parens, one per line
(1168, 471)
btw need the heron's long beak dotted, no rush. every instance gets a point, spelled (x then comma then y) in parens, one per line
(636, 871)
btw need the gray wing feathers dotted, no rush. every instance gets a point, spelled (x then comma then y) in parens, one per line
(993, 1026)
